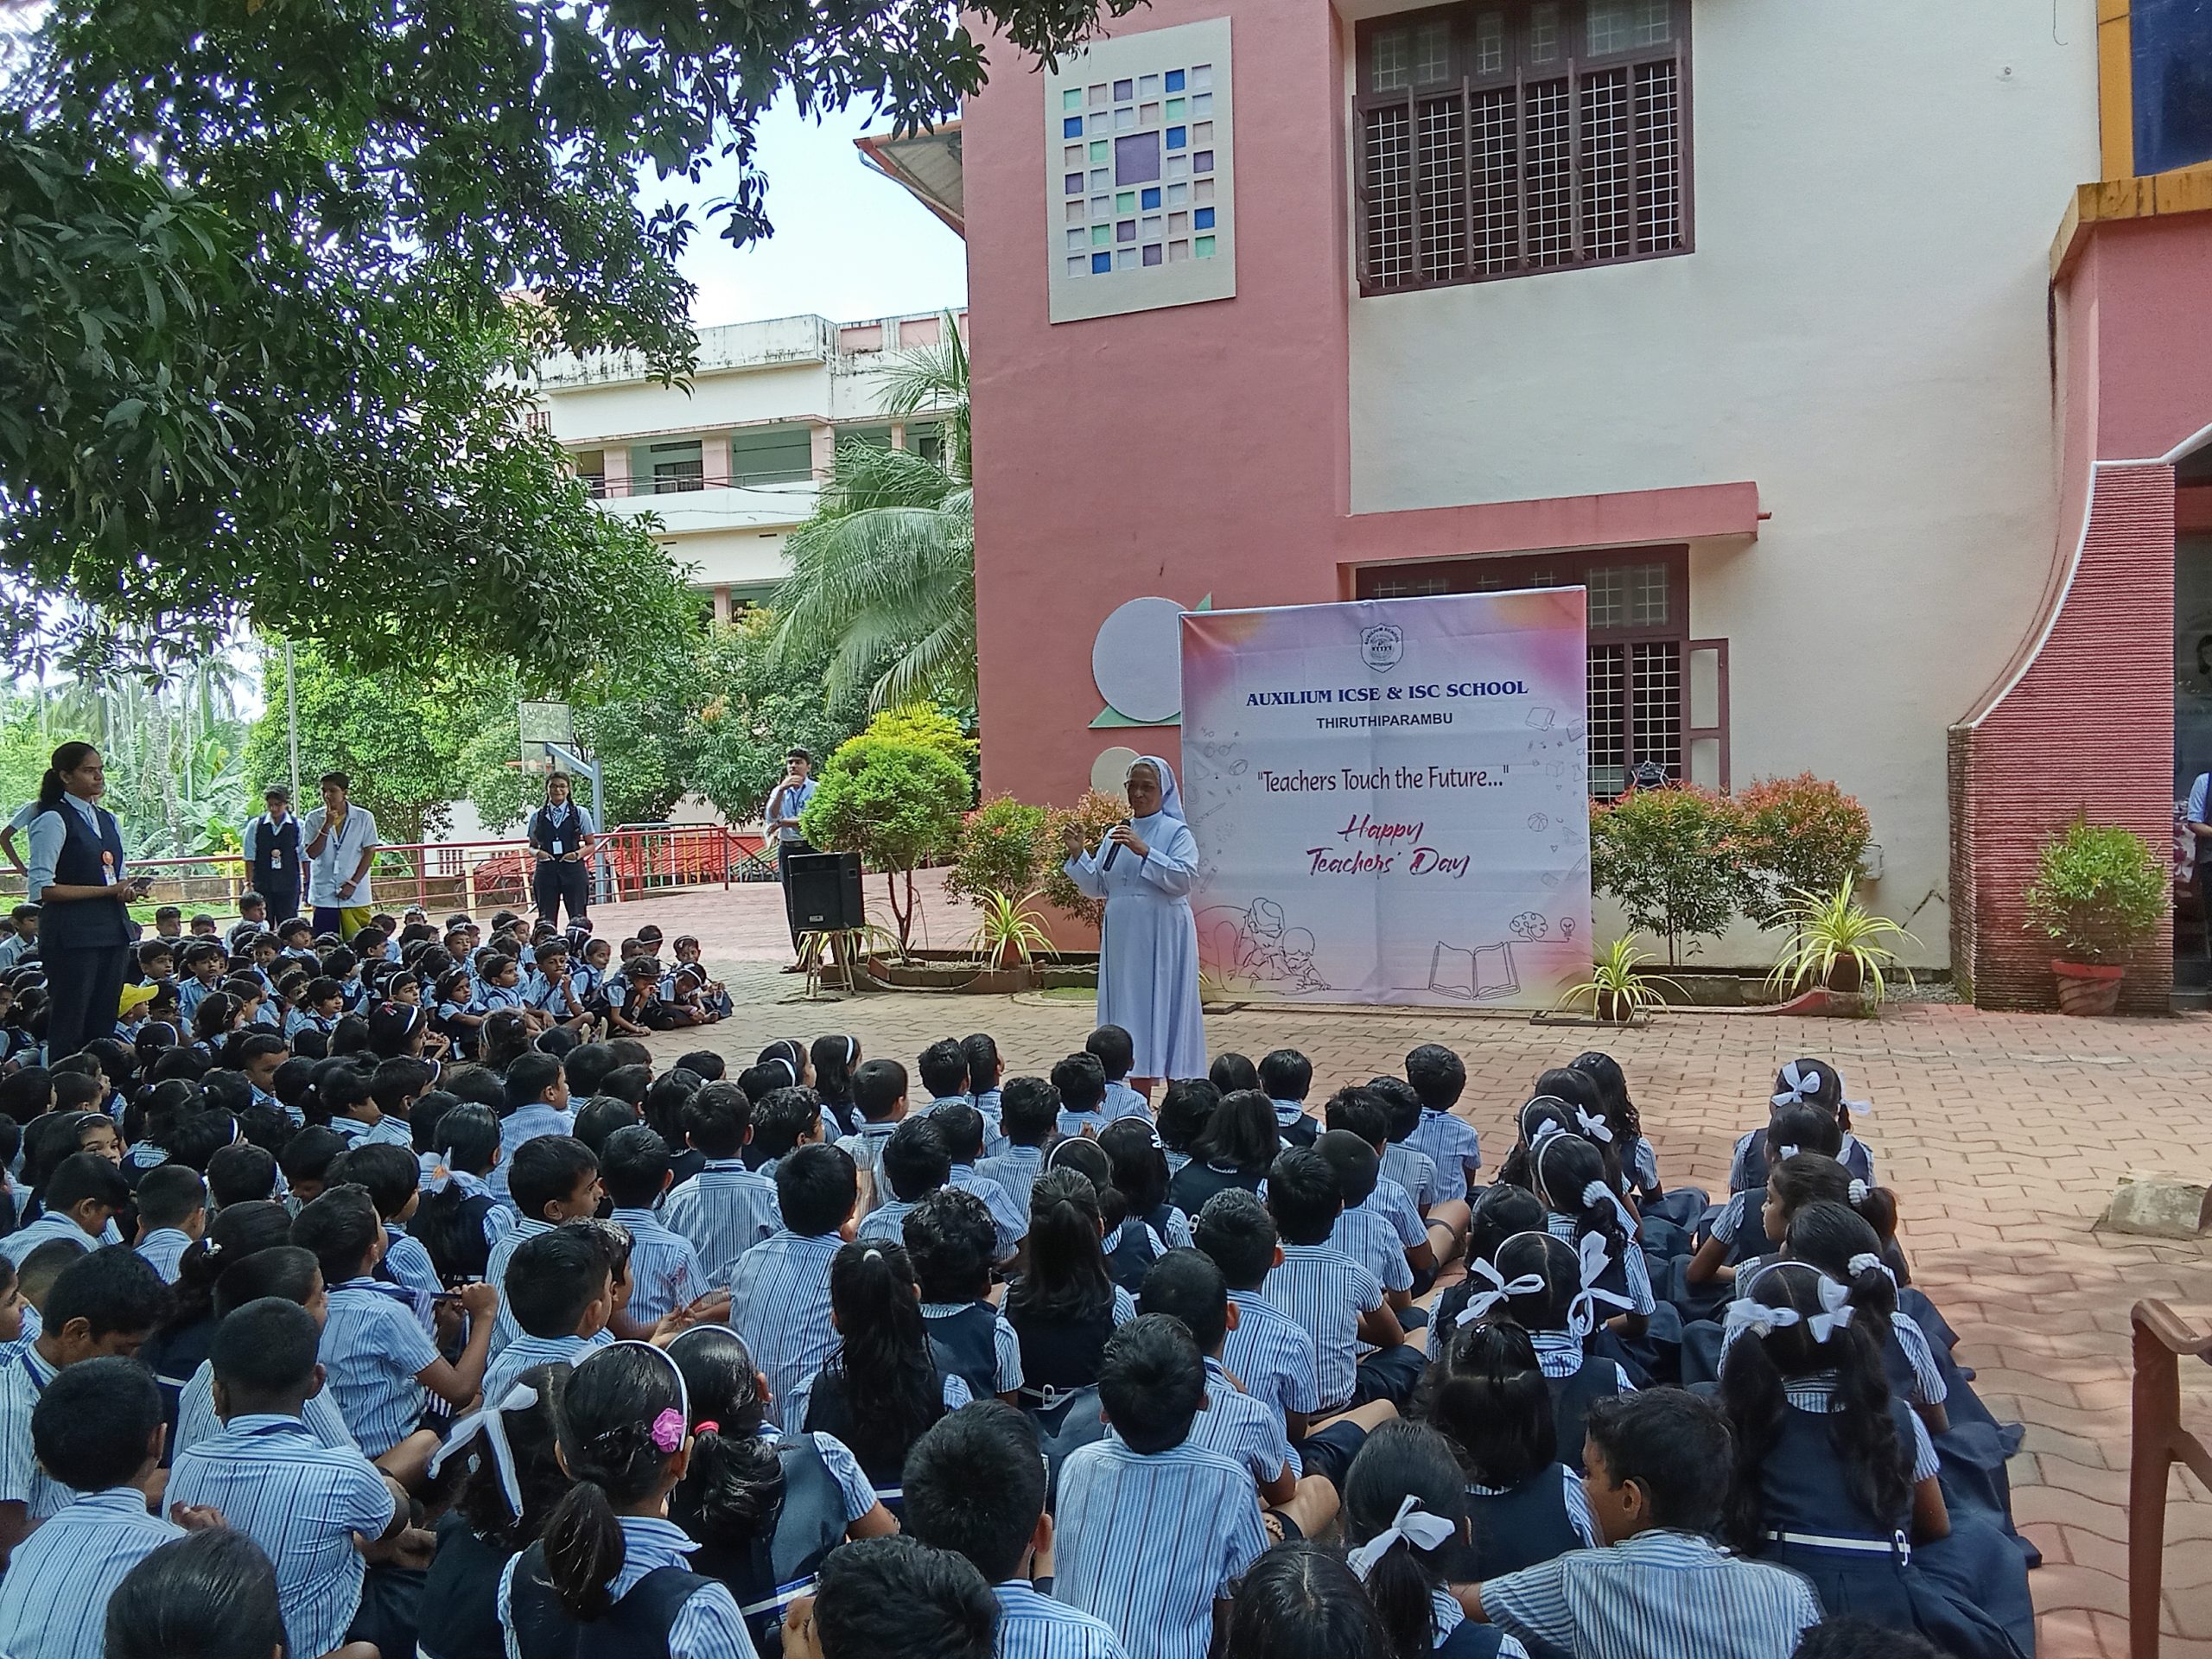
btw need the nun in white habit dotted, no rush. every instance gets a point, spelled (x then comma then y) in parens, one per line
(1148, 945)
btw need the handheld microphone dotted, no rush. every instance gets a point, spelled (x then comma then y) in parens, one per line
(1113, 848)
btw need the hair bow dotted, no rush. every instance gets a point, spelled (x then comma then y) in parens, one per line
(1858, 1192)
(1596, 1127)
(1501, 1290)
(1595, 1193)
(1866, 1261)
(1592, 1258)
(1744, 1314)
(1797, 1085)
(437, 1179)
(1413, 1526)
(1835, 1309)
(492, 1426)
(1783, 1154)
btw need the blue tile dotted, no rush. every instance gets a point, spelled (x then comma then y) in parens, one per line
(1073, 127)
(1174, 80)
(1151, 198)
(1175, 136)
(1101, 262)
(1202, 219)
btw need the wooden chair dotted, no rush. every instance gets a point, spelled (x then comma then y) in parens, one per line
(2158, 1442)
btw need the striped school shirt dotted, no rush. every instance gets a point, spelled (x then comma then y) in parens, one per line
(373, 1350)
(1016, 1171)
(23, 1376)
(1366, 1235)
(504, 1328)
(1006, 1344)
(1455, 1148)
(779, 1303)
(708, 1626)
(664, 1271)
(1273, 1356)
(1325, 1290)
(55, 1224)
(1394, 1204)
(1412, 1169)
(1031, 1626)
(1147, 1544)
(865, 1147)
(524, 1123)
(527, 1351)
(408, 1261)
(1629, 1256)
(196, 1420)
(1560, 1355)
(1854, 1155)
(384, 1132)
(1122, 1101)
(886, 1223)
(53, 1600)
(1242, 1429)
(1445, 1615)
(1010, 1218)
(725, 1210)
(1659, 1595)
(160, 1249)
(302, 1503)
(987, 1107)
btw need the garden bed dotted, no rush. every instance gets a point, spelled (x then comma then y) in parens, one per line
(959, 971)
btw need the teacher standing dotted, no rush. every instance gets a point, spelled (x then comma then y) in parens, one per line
(1147, 943)
(77, 882)
(561, 842)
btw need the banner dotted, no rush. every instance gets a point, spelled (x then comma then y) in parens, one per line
(1390, 798)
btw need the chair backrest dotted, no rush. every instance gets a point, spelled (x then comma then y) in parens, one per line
(2158, 1441)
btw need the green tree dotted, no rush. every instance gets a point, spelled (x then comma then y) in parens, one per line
(886, 567)
(257, 327)
(897, 805)
(1795, 835)
(760, 703)
(1668, 858)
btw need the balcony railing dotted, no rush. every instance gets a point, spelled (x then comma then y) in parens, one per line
(601, 489)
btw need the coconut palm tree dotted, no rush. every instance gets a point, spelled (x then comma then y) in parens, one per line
(886, 567)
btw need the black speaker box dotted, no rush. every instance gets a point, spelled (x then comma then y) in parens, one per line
(826, 891)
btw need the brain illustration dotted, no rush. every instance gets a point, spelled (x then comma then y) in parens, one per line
(1531, 925)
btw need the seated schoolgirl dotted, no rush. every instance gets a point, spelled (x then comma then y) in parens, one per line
(1806, 1082)
(1738, 1234)
(1236, 1149)
(1186, 1106)
(1067, 1304)
(1580, 1204)
(950, 1241)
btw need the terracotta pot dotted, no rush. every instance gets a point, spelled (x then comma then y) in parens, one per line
(2087, 988)
(1614, 1007)
(1847, 976)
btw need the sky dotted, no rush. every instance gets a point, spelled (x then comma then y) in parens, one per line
(849, 243)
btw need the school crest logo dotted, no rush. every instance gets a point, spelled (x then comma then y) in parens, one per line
(1382, 647)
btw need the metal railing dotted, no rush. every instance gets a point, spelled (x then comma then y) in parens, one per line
(634, 861)
(2159, 1441)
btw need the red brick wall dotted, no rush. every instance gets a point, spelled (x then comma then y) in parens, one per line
(2089, 727)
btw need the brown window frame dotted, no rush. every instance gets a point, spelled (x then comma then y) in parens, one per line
(1571, 568)
(1464, 83)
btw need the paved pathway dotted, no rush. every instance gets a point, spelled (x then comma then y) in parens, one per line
(2003, 1136)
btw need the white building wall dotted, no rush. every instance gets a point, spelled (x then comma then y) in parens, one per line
(1862, 331)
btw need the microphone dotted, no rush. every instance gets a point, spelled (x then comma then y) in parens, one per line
(1113, 848)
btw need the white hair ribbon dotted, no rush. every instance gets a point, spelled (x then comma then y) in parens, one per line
(1414, 1527)
(1501, 1289)
(1836, 1309)
(1744, 1314)
(437, 1177)
(1593, 1194)
(1797, 1084)
(1592, 1258)
(1595, 1127)
(1783, 1154)
(1858, 1192)
(1866, 1261)
(489, 1423)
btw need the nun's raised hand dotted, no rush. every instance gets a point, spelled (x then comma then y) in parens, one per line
(1124, 836)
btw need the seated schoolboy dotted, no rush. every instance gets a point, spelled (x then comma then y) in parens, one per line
(538, 1104)
(555, 1179)
(1287, 1076)
(785, 1119)
(347, 1096)
(879, 1097)
(942, 1069)
(889, 1596)
(1029, 1115)
(1439, 1077)
(779, 1296)
(172, 1213)
(725, 1209)
(966, 1133)
(1434, 1234)
(282, 1270)
(97, 1430)
(976, 1485)
(1267, 1350)
(1659, 1466)
(397, 1083)
(378, 1358)
(391, 1176)
(239, 1173)
(950, 1241)
(82, 1196)
(104, 1304)
(1194, 1511)
(563, 1297)
(1185, 1284)
(1117, 1053)
(914, 1163)
(313, 1509)
(1341, 1305)
(664, 1271)
(1363, 1231)
(1080, 1081)
(305, 1162)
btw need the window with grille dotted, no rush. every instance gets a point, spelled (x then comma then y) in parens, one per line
(678, 467)
(1640, 646)
(1515, 135)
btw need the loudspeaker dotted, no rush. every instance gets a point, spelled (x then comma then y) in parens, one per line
(826, 891)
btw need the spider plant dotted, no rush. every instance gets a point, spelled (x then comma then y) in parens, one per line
(1836, 942)
(1618, 989)
(1011, 930)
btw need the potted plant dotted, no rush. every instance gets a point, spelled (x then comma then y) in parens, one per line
(1618, 989)
(2100, 895)
(1010, 932)
(1835, 945)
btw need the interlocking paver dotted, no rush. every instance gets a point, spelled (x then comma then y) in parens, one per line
(2002, 1135)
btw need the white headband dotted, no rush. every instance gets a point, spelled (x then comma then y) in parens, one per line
(1501, 1289)
(1414, 1527)
(490, 1424)
(790, 1070)
(659, 1425)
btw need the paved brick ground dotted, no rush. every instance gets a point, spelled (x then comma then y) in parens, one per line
(2002, 1135)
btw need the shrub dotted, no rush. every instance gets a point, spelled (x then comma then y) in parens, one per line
(2100, 892)
(1095, 814)
(927, 727)
(1795, 835)
(1002, 843)
(897, 805)
(1667, 856)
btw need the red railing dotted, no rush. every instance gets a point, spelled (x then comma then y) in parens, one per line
(634, 861)
(2160, 1441)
